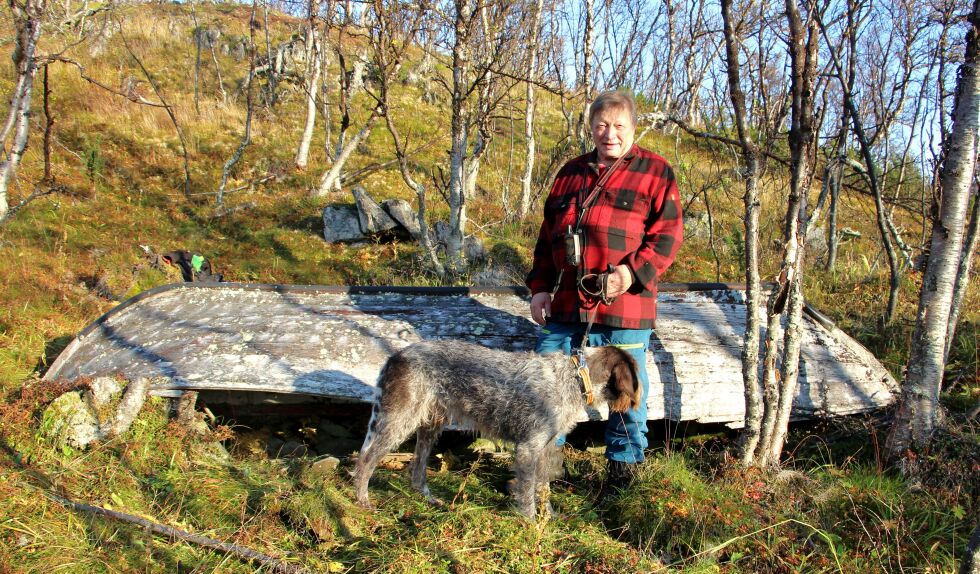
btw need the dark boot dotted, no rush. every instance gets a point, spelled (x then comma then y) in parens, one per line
(619, 476)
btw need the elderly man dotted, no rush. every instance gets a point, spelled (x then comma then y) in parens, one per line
(612, 225)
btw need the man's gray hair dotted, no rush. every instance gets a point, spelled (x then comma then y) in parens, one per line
(616, 99)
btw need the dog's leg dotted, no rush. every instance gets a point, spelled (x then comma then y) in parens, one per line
(525, 479)
(548, 468)
(425, 439)
(386, 432)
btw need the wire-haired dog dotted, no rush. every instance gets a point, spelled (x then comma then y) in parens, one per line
(524, 398)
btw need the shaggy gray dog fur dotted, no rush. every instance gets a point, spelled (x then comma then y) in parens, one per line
(524, 398)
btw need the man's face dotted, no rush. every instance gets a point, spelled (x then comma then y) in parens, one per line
(612, 132)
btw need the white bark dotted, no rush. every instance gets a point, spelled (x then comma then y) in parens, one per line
(524, 206)
(750, 154)
(919, 414)
(27, 20)
(330, 179)
(464, 19)
(312, 84)
(787, 300)
(963, 275)
(970, 563)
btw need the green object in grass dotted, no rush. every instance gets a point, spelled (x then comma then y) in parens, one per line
(196, 262)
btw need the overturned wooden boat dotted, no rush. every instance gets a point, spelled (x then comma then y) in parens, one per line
(330, 342)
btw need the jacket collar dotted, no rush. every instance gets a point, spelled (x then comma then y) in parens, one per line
(592, 158)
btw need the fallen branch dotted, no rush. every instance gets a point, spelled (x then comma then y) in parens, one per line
(37, 193)
(222, 211)
(176, 534)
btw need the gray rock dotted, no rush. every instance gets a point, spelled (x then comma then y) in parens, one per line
(485, 445)
(373, 219)
(325, 467)
(129, 407)
(341, 224)
(401, 211)
(473, 249)
(440, 233)
(100, 392)
(816, 241)
(339, 447)
(496, 277)
(329, 430)
(70, 422)
(76, 419)
(274, 446)
(696, 225)
(292, 449)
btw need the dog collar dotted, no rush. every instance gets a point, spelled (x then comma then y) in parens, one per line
(582, 373)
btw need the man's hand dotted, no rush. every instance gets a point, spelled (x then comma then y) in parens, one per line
(619, 282)
(541, 307)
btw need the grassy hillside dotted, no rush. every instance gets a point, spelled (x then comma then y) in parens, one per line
(68, 257)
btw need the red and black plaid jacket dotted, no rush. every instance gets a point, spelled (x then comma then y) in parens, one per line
(636, 221)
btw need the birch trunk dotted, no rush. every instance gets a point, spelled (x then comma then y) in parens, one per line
(750, 349)
(788, 298)
(667, 101)
(583, 128)
(464, 18)
(389, 45)
(885, 230)
(970, 563)
(331, 178)
(27, 20)
(963, 274)
(524, 206)
(424, 238)
(249, 106)
(918, 412)
(312, 83)
(833, 237)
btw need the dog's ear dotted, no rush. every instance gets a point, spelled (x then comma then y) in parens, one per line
(623, 387)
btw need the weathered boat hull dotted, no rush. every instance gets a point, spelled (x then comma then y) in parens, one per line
(332, 341)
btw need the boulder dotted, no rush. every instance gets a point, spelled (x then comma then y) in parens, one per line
(473, 249)
(342, 224)
(373, 219)
(325, 467)
(402, 212)
(77, 419)
(70, 423)
(816, 241)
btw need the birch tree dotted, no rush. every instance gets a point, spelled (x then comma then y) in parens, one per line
(27, 17)
(397, 26)
(919, 412)
(753, 291)
(311, 81)
(782, 348)
(350, 82)
(524, 204)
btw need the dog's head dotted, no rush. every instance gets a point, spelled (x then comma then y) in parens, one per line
(615, 371)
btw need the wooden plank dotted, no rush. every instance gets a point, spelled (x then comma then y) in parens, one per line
(331, 342)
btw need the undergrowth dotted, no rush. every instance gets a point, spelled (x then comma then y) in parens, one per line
(691, 509)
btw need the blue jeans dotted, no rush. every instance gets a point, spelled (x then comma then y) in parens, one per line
(626, 433)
